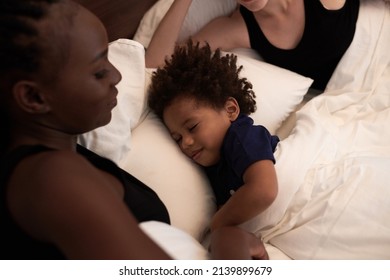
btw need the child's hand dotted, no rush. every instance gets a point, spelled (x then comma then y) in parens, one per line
(257, 249)
(235, 243)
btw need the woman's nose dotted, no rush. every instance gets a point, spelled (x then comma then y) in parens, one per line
(116, 76)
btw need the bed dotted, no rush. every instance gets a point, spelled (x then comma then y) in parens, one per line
(332, 163)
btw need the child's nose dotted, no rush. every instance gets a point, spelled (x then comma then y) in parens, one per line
(187, 141)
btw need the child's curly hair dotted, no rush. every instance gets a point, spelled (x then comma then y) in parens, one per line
(210, 78)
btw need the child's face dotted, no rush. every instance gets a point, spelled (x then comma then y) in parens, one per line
(198, 129)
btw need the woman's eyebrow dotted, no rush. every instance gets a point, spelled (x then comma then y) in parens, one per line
(101, 55)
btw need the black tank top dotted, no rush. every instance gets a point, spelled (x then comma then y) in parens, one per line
(326, 37)
(142, 201)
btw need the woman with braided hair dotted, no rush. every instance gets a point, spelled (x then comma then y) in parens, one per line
(59, 200)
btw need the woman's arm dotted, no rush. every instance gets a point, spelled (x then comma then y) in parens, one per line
(165, 37)
(257, 194)
(225, 32)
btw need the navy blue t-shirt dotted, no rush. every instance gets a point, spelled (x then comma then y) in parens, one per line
(244, 144)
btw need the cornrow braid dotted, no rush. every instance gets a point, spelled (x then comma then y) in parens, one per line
(19, 48)
(20, 51)
(197, 72)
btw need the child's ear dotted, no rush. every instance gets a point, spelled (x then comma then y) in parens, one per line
(29, 97)
(232, 108)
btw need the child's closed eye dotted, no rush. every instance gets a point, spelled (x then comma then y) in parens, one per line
(193, 127)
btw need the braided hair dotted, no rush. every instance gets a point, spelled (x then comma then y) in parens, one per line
(195, 71)
(21, 46)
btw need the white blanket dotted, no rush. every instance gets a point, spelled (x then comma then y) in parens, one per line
(334, 169)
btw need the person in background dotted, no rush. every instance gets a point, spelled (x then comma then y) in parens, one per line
(205, 104)
(305, 36)
(59, 200)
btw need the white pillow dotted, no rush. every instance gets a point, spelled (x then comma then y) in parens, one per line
(156, 160)
(199, 13)
(203, 11)
(177, 243)
(113, 140)
(278, 91)
(150, 21)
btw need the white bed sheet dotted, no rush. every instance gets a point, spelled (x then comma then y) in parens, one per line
(334, 199)
(333, 169)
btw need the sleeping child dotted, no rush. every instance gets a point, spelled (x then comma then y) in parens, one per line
(205, 104)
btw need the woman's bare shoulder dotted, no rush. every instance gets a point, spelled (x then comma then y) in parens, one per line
(52, 184)
(333, 4)
(53, 167)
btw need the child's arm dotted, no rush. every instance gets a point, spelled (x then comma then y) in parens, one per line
(257, 194)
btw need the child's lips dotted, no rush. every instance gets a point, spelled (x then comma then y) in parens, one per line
(196, 154)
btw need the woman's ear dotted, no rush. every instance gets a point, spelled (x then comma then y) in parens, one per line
(232, 108)
(29, 97)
